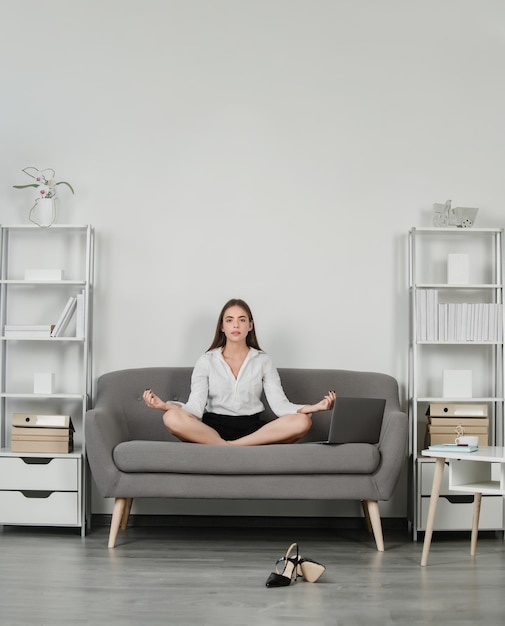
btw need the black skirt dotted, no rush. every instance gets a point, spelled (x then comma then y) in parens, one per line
(231, 427)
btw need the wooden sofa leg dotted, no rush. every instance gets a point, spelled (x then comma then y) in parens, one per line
(117, 516)
(366, 513)
(375, 521)
(126, 513)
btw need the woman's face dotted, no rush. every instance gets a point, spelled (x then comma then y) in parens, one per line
(236, 324)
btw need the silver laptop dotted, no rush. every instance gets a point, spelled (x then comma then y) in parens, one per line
(356, 420)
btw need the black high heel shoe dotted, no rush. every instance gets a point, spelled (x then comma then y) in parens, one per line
(289, 572)
(310, 570)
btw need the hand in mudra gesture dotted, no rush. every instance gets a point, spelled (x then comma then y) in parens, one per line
(152, 400)
(326, 404)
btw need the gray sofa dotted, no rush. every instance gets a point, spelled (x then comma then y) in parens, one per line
(131, 454)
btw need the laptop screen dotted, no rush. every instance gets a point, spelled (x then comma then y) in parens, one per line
(356, 420)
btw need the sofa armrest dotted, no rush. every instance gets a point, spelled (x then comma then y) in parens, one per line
(104, 431)
(393, 448)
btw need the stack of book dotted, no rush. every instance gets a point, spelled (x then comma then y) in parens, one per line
(27, 331)
(448, 421)
(453, 447)
(42, 433)
(457, 321)
(75, 305)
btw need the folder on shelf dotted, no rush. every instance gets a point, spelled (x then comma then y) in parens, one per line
(449, 438)
(439, 409)
(48, 421)
(480, 422)
(65, 435)
(457, 427)
(42, 431)
(42, 445)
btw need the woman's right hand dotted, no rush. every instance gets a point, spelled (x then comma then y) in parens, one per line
(152, 400)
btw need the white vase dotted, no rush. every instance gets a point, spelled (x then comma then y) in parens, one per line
(43, 212)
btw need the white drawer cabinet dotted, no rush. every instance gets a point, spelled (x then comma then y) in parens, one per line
(39, 508)
(40, 490)
(455, 509)
(456, 513)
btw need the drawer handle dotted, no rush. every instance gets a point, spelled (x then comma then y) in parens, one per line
(459, 499)
(35, 460)
(37, 494)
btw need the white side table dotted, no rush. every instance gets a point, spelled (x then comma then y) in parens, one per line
(469, 472)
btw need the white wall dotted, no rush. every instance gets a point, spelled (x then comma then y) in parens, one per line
(275, 150)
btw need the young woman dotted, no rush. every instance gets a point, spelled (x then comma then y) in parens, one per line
(224, 406)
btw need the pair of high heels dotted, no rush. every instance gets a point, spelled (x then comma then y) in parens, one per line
(294, 567)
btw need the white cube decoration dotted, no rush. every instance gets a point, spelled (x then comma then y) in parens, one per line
(43, 275)
(43, 382)
(457, 384)
(458, 269)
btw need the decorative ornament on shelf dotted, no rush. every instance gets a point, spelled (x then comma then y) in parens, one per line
(460, 216)
(43, 212)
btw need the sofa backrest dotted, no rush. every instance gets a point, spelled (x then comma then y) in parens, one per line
(123, 389)
(308, 386)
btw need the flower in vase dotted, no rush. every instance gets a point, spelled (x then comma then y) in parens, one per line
(45, 182)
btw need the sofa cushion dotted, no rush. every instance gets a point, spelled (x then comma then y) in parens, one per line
(189, 458)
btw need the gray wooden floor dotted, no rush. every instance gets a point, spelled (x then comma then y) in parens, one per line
(209, 576)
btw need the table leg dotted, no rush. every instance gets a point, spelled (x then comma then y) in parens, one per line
(477, 498)
(435, 492)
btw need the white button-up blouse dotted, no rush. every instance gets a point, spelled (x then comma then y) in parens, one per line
(214, 388)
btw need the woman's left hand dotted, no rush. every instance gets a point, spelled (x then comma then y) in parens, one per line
(326, 404)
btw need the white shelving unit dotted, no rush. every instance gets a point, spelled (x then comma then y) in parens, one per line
(430, 353)
(44, 489)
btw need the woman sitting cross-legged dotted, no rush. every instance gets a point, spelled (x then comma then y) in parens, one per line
(224, 406)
